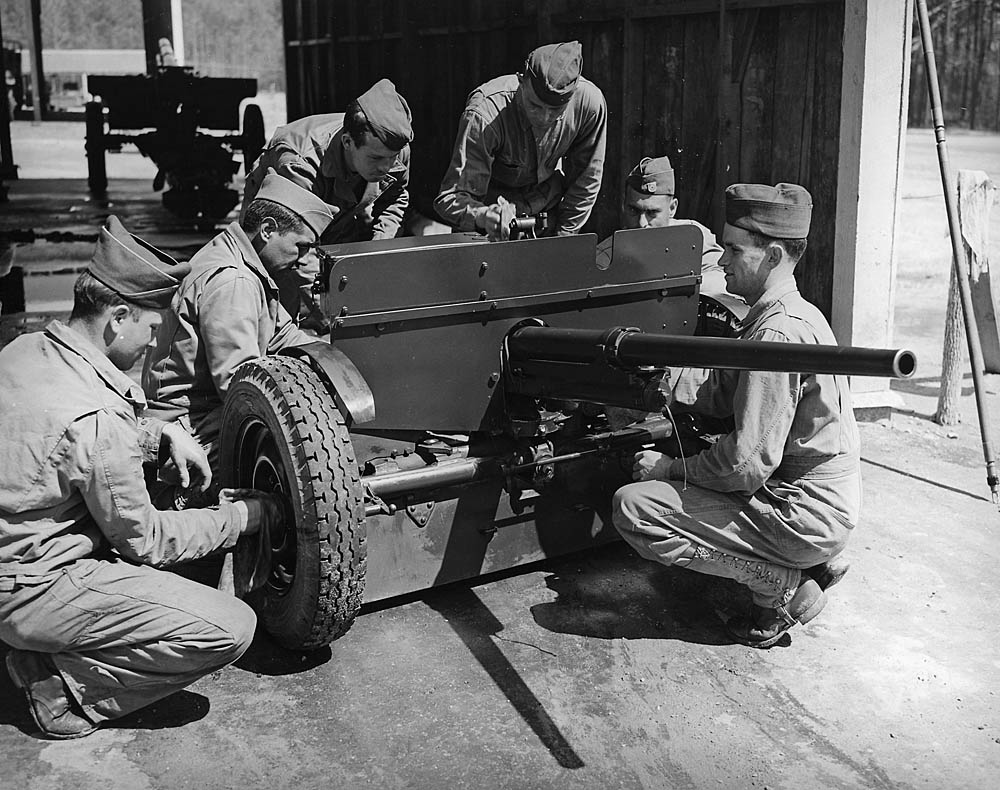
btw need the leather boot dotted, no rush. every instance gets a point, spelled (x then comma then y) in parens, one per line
(827, 574)
(53, 709)
(765, 626)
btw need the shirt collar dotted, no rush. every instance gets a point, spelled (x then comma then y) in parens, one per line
(334, 166)
(117, 380)
(244, 247)
(774, 293)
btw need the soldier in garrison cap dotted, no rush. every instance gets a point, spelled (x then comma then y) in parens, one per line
(772, 503)
(512, 136)
(650, 201)
(95, 629)
(358, 161)
(227, 309)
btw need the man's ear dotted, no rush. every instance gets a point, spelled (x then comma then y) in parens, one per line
(346, 140)
(673, 207)
(775, 254)
(268, 226)
(119, 313)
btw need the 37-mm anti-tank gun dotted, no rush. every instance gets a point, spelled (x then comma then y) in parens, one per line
(457, 422)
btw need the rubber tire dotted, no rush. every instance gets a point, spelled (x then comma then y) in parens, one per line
(253, 136)
(285, 396)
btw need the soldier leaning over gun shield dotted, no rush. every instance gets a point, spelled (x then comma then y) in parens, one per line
(772, 503)
(528, 143)
(357, 161)
(96, 630)
(227, 310)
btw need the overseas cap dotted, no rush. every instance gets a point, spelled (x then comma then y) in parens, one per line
(781, 212)
(554, 70)
(136, 271)
(388, 114)
(285, 192)
(652, 177)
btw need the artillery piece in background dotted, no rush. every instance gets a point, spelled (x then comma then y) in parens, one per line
(457, 424)
(176, 105)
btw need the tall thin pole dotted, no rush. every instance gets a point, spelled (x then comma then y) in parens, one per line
(957, 250)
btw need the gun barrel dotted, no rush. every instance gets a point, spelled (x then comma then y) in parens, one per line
(631, 348)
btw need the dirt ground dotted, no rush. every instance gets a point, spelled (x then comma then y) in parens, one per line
(603, 671)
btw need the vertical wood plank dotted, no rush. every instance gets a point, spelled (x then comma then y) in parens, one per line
(699, 127)
(815, 273)
(757, 110)
(791, 71)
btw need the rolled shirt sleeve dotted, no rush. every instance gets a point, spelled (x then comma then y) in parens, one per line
(108, 474)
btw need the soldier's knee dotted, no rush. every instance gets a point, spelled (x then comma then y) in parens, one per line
(243, 627)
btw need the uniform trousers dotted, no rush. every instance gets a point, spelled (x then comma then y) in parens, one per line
(123, 636)
(711, 532)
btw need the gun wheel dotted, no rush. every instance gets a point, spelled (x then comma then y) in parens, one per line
(282, 432)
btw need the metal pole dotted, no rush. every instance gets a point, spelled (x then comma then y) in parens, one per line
(958, 253)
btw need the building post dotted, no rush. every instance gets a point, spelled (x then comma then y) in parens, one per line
(157, 23)
(872, 137)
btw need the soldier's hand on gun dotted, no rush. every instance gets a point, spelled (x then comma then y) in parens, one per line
(650, 465)
(497, 218)
(264, 510)
(188, 457)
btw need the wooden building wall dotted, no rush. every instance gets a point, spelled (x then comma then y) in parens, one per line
(758, 101)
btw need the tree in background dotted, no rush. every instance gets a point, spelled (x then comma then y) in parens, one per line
(967, 50)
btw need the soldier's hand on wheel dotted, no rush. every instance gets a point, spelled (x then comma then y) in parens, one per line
(188, 457)
(650, 465)
(264, 510)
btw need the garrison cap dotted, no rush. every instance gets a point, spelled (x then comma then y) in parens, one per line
(554, 71)
(314, 211)
(652, 177)
(136, 271)
(388, 114)
(781, 212)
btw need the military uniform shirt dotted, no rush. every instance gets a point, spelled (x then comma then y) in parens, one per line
(790, 428)
(496, 153)
(310, 152)
(71, 482)
(225, 312)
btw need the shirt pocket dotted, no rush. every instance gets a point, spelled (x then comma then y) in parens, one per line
(514, 174)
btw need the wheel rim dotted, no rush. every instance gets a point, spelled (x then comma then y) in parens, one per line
(261, 467)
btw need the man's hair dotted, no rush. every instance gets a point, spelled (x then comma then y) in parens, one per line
(91, 297)
(794, 248)
(356, 123)
(286, 219)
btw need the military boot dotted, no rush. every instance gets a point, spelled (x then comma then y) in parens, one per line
(827, 574)
(766, 626)
(53, 709)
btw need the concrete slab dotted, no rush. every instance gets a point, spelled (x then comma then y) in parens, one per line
(601, 670)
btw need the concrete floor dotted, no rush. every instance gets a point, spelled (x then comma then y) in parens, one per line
(603, 671)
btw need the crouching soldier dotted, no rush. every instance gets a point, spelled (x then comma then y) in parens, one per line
(96, 628)
(772, 503)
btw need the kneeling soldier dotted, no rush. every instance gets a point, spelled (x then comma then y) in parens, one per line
(96, 630)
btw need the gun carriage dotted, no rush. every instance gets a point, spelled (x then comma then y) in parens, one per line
(457, 423)
(174, 116)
